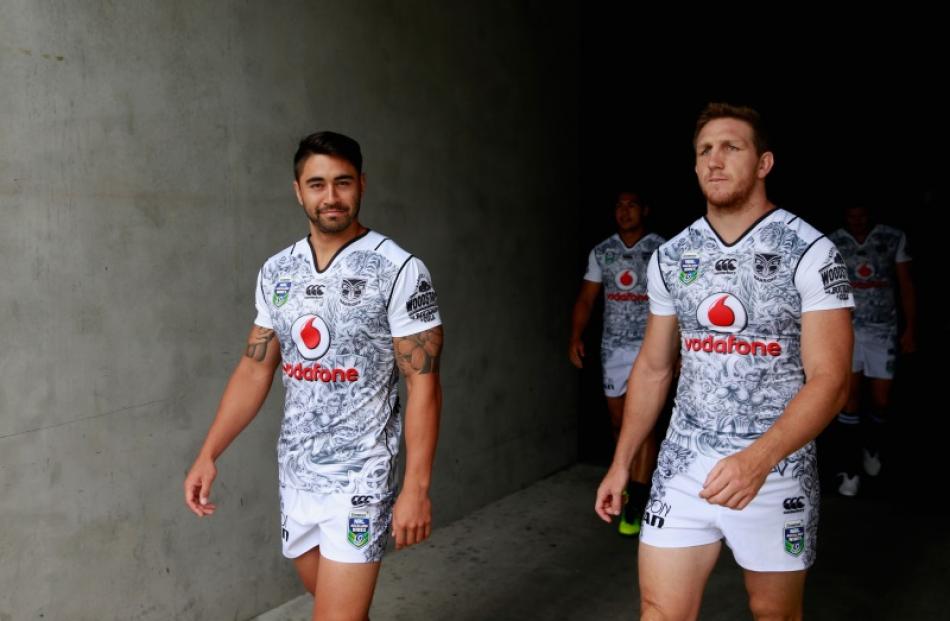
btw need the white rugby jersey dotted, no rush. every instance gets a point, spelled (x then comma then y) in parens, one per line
(623, 272)
(871, 268)
(739, 309)
(341, 427)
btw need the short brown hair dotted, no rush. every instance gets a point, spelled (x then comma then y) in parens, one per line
(721, 110)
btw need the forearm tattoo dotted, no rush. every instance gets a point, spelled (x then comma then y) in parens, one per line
(419, 353)
(257, 344)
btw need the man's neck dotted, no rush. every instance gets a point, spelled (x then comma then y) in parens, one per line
(326, 245)
(732, 222)
(860, 236)
(632, 236)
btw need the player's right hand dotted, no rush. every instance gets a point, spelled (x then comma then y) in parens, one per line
(198, 487)
(576, 353)
(610, 493)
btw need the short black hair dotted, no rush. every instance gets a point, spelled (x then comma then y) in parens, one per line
(637, 197)
(328, 143)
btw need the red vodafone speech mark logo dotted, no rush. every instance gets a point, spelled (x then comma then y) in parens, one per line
(311, 336)
(865, 271)
(722, 312)
(626, 280)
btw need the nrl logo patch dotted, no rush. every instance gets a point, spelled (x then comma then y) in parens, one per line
(795, 537)
(689, 268)
(282, 291)
(358, 529)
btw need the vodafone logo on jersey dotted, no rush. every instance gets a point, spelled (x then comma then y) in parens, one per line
(725, 313)
(626, 280)
(866, 274)
(722, 312)
(311, 336)
(864, 271)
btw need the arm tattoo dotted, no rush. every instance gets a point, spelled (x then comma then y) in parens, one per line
(419, 353)
(257, 344)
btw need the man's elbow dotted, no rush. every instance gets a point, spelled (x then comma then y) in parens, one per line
(838, 385)
(652, 373)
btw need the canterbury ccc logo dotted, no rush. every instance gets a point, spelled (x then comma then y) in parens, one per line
(726, 265)
(722, 312)
(794, 504)
(626, 280)
(311, 336)
(359, 501)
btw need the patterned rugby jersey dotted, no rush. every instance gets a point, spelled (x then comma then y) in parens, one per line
(739, 309)
(871, 268)
(341, 427)
(623, 272)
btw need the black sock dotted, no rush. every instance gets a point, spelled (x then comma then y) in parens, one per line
(872, 430)
(848, 451)
(637, 495)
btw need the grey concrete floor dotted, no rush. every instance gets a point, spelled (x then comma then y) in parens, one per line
(541, 553)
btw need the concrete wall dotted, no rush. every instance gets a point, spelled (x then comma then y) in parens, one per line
(145, 155)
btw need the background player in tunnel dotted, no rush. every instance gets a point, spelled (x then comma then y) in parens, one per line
(618, 265)
(878, 263)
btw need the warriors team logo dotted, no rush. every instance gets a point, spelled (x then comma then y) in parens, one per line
(689, 268)
(352, 291)
(626, 280)
(722, 312)
(358, 529)
(281, 291)
(311, 336)
(766, 266)
(795, 537)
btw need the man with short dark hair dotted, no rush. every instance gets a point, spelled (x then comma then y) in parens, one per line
(338, 311)
(878, 263)
(618, 266)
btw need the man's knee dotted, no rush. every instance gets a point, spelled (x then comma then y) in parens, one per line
(654, 609)
(767, 609)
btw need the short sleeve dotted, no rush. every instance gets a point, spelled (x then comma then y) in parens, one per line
(413, 303)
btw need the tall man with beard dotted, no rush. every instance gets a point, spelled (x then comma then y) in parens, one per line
(758, 302)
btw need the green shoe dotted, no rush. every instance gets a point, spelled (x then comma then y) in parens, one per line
(628, 529)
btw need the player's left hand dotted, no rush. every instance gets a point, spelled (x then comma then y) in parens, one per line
(412, 518)
(735, 480)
